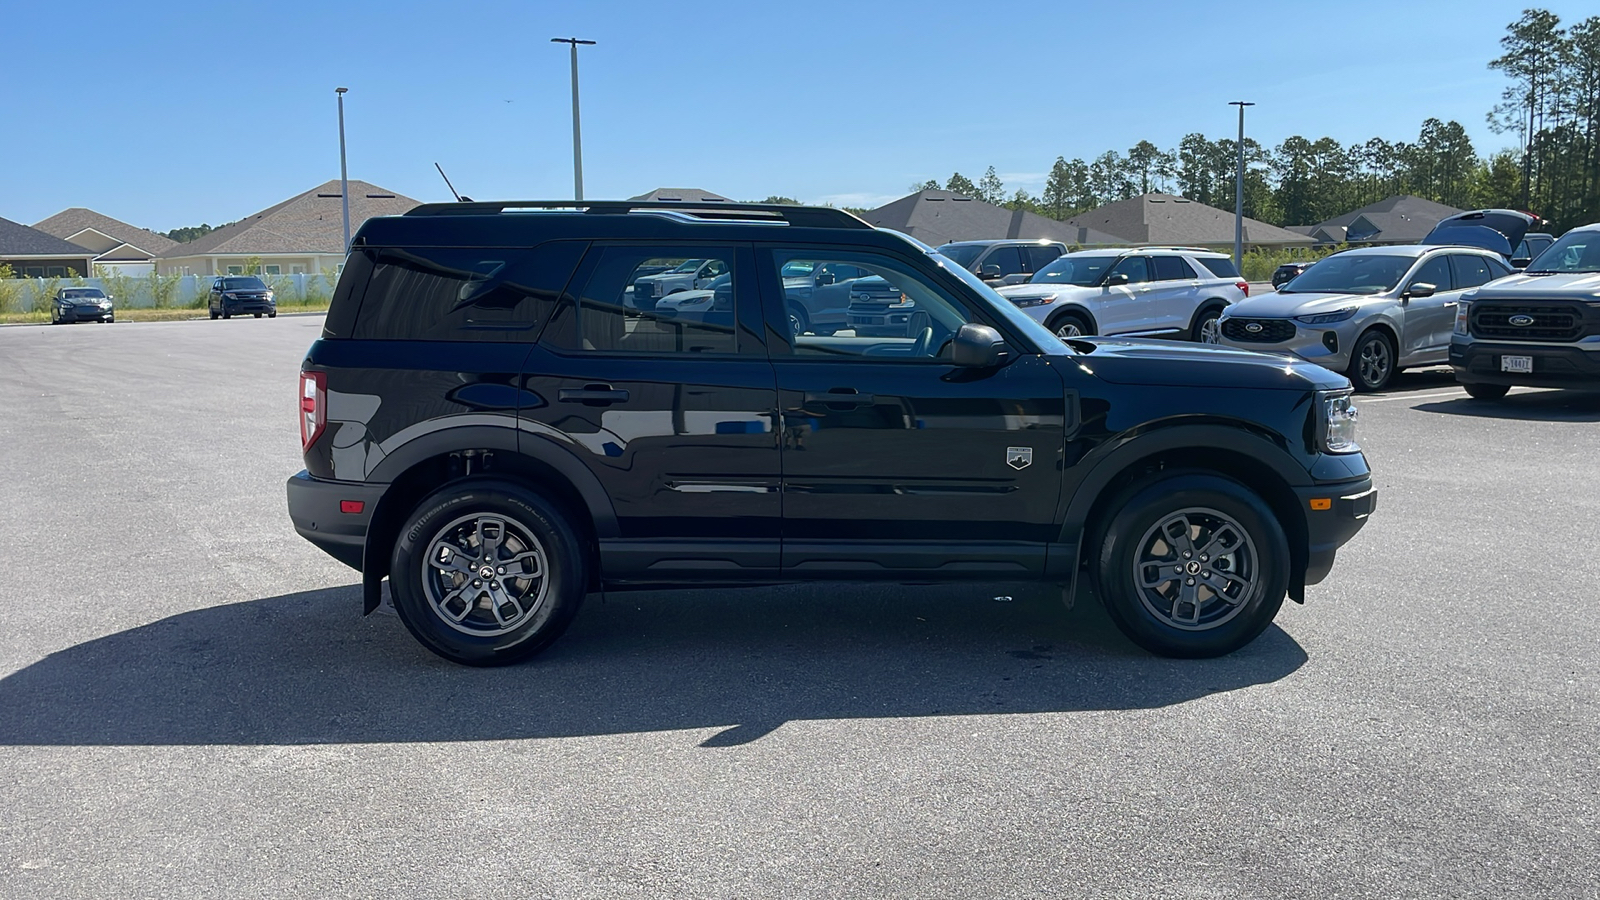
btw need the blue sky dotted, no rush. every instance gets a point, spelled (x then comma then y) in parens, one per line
(170, 114)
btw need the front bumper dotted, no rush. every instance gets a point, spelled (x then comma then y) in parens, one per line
(1334, 513)
(1554, 365)
(234, 307)
(315, 509)
(86, 314)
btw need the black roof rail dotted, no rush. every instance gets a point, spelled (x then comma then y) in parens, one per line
(709, 210)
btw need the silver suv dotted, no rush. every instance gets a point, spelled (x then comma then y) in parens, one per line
(1538, 328)
(1141, 292)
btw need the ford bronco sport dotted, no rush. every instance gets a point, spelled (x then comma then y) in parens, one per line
(485, 426)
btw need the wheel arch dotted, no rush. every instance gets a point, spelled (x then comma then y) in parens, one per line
(1077, 308)
(1237, 450)
(441, 458)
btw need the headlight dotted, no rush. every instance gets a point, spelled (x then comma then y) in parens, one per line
(1025, 302)
(1338, 426)
(1338, 315)
(227, 295)
(1462, 317)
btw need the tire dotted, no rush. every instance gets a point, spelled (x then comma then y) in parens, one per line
(226, 314)
(1372, 362)
(452, 525)
(273, 314)
(1205, 329)
(1069, 324)
(798, 320)
(1480, 391)
(213, 315)
(1147, 599)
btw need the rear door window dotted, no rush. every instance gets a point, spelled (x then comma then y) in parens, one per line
(1471, 270)
(619, 311)
(1172, 268)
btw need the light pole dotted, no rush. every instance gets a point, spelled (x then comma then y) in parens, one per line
(344, 172)
(1238, 193)
(577, 134)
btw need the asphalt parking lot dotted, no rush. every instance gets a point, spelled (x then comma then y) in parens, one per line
(192, 706)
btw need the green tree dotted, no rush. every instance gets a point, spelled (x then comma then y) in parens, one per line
(961, 184)
(1534, 46)
(778, 199)
(990, 188)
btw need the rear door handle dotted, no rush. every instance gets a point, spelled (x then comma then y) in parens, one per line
(593, 395)
(839, 397)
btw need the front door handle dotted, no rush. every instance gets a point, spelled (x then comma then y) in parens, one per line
(593, 395)
(839, 398)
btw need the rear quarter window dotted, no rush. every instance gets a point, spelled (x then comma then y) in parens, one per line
(462, 294)
(1220, 266)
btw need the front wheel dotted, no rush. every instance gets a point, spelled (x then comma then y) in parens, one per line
(213, 315)
(273, 314)
(1069, 325)
(487, 573)
(1486, 391)
(226, 314)
(799, 322)
(1372, 362)
(1192, 565)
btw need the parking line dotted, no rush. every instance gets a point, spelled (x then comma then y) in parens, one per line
(1453, 393)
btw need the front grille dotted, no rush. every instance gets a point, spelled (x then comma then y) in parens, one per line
(1272, 331)
(1550, 321)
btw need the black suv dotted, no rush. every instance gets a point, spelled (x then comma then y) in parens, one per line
(488, 424)
(237, 295)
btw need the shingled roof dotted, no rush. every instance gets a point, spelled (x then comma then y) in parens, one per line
(1166, 219)
(77, 220)
(18, 240)
(937, 217)
(311, 222)
(1401, 219)
(690, 195)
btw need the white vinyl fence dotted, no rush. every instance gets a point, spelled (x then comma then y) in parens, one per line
(146, 291)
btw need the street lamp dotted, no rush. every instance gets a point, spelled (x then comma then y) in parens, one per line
(577, 136)
(344, 172)
(1238, 193)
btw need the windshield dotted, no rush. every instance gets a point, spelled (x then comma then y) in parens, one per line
(1577, 251)
(1350, 274)
(963, 255)
(243, 284)
(84, 294)
(1084, 271)
(689, 265)
(1000, 306)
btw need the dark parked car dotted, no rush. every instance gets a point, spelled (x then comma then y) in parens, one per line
(236, 295)
(1500, 230)
(81, 304)
(1532, 245)
(483, 426)
(1285, 273)
(1003, 262)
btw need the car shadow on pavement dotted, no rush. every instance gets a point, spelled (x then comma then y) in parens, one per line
(1542, 406)
(305, 668)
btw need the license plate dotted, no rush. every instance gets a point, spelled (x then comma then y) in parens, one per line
(1523, 364)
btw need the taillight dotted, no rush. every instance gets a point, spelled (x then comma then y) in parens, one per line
(313, 407)
(1243, 286)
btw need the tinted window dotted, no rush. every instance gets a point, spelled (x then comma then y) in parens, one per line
(1171, 268)
(1436, 272)
(243, 284)
(1134, 267)
(1471, 271)
(450, 294)
(1009, 259)
(962, 255)
(895, 314)
(685, 310)
(1220, 266)
(1040, 257)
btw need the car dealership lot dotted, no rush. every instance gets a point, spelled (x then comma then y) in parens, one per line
(190, 703)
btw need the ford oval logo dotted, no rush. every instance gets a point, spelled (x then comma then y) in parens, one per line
(1253, 328)
(1521, 321)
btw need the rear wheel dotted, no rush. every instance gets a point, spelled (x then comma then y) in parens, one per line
(487, 573)
(1207, 327)
(1372, 361)
(1486, 391)
(1192, 564)
(1069, 325)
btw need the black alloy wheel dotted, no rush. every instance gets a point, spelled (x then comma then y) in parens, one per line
(1372, 362)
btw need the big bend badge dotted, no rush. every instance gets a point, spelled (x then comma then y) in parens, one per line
(1019, 457)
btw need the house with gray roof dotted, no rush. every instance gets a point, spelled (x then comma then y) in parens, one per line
(938, 217)
(303, 234)
(1402, 219)
(1167, 220)
(32, 253)
(117, 246)
(684, 195)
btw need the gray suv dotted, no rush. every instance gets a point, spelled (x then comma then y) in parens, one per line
(1539, 328)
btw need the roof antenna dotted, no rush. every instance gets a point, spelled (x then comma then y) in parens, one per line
(459, 198)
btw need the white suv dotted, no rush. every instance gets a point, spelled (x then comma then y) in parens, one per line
(1145, 291)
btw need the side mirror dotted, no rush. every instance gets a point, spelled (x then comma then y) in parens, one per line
(825, 279)
(977, 347)
(1420, 289)
(991, 271)
(1117, 278)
